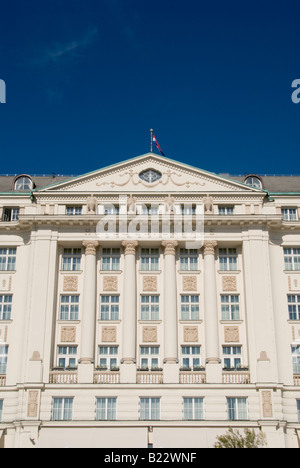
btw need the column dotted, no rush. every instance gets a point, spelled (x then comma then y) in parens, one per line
(171, 367)
(128, 363)
(213, 363)
(88, 323)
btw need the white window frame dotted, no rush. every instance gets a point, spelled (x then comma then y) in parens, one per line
(23, 183)
(193, 409)
(8, 259)
(150, 409)
(294, 306)
(232, 357)
(190, 307)
(71, 259)
(5, 306)
(226, 210)
(73, 210)
(230, 309)
(69, 307)
(149, 357)
(108, 357)
(10, 214)
(106, 409)
(109, 307)
(291, 258)
(67, 357)
(111, 259)
(289, 214)
(296, 359)
(189, 260)
(150, 259)
(150, 307)
(191, 357)
(228, 259)
(3, 358)
(237, 409)
(62, 409)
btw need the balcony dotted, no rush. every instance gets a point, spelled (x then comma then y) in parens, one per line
(236, 376)
(106, 377)
(63, 376)
(192, 377)
(149, 376)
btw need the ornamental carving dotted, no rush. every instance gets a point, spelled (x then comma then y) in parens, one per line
(32, 409)
(229, 283)
(150, 335)
(209, 247)
(208, 205)
(232, 335)
(5, 283)
(150, 283)
(267, 404)
(90, 247)
(71, 283)
(130, 247)
(110, 283)
(170, 247)
(294, 284)
(189, 283)
(109, 334)
(68, 335)
(3, 334)
(190, 334)
(92, 205)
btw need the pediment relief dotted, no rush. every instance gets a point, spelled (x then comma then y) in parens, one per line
(150, 172)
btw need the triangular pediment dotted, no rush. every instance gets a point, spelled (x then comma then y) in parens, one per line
(166, 176)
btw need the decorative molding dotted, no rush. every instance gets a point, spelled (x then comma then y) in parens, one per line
(5, 283)
(149, 334)
(33, 403)
(68, 335)
(130, 247)
(191, 334)
(209, 247)
(70, 283)
(170, 247)
(110, 283)
(109, 334)
(189, 283)
(229, 283)
(267, 404)
(232, 334)
(294, 283)
(150, 283)
(90, 247)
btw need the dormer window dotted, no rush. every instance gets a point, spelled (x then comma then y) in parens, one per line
(254, 181)
(23, 183)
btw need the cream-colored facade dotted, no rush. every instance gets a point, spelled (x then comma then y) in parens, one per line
(136, 341)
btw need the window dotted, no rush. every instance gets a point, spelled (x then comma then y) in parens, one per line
(150, 409)
(71, 260)
(188, 259)
(289, 214)
(191, 359)
(294, 307)
(69, 308)
(1, 410)
(230, 307)
(73, 210)
(106, 409)
(67, 357)
(295, 358)
(111, 210)
(292, 259)
(108, 357)
(253, 181)
(149, 307)
(193, 409)
(228, 259)
(149, 357)
(188, 209)
(190, 308)
(109, 308)
(5, 307)
(62, 409)
(149, 259)
(232, 357)
(298, 410)
(237, 409)
(3, 359)
(8, 259)
(23, 183)
(226, 210)
(10, 214)
(150, 176)
(111, 259)
(149, 210)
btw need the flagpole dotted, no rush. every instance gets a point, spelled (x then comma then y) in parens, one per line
(151, 143)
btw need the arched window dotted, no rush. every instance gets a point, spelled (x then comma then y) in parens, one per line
(253, 181)
(23, 183)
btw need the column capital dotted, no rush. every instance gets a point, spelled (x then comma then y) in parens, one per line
(130, 246)
(209, 247)
(90, 247)
(170, 247)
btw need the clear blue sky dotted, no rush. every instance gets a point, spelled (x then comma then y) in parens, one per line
(87, 79)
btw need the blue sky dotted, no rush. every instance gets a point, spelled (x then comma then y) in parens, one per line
(87, 79)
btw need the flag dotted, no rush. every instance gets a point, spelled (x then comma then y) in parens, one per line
(157, 145)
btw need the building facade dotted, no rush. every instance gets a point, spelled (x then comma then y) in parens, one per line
(149, 304)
